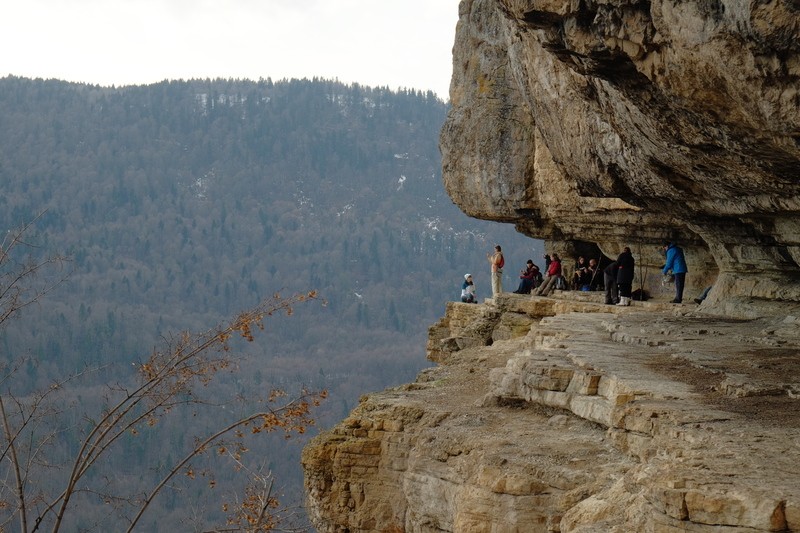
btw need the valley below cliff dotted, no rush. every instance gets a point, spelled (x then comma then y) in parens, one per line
(565, 415)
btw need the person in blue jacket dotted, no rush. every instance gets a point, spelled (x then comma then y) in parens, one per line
(676, 262)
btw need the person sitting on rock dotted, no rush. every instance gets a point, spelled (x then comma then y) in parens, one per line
(528, 278)
(580, 273)
(595, 278)
(587, 278)
(538, 278)
(553, 275)
(468, 295)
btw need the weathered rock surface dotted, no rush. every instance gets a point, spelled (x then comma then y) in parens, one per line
(630, 122)
(595, 419)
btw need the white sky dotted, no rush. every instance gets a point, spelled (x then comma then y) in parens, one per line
(400, 43)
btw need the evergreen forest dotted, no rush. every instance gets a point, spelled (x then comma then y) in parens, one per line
(181, 203)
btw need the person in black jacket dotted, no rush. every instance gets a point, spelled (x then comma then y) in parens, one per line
(610, 282)
(579, 276)
(625, 274)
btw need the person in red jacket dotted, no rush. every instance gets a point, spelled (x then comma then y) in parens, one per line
(529, 278)
(552, 275)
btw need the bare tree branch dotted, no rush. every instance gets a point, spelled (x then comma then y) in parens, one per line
(168, 378)
(23, 512)
(16, 288)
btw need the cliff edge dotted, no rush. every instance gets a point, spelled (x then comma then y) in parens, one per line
(570, 416)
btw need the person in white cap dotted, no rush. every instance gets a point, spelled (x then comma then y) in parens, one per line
(468, 295)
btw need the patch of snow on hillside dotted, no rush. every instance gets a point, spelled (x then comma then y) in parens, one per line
(303, 200)
(478, 235)
(200, 185)
(345, 209)
(433, 224)
(201, 100)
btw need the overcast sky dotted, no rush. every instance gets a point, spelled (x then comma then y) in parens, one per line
(401, 43)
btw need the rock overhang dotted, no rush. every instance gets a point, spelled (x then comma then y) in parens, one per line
(630, 123)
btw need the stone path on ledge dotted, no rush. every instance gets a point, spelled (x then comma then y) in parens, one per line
(710, 403)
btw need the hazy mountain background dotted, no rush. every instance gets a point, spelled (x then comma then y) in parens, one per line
(181, 203)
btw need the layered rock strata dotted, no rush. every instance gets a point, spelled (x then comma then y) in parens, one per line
(632, 122)
(569, 416)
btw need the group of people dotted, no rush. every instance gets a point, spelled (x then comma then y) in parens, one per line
(585, 277)
(530, 277)
(617, 276)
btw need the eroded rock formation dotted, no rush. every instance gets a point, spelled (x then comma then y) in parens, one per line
(631, 122)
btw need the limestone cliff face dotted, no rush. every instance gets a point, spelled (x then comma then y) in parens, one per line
(630, 122)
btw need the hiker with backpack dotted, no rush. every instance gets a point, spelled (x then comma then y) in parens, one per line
(498, 262)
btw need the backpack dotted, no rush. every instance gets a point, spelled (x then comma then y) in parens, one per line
(640, 295)
(502, 262)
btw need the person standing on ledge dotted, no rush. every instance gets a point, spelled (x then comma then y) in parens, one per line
(497, 261)
(625, 274)
(676, 262)
(610, 282)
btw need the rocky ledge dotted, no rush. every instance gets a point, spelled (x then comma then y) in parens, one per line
(554, 414)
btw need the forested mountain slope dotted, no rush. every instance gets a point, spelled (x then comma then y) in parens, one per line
(181, 203)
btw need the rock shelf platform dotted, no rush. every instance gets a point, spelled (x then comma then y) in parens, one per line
(565, 415)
